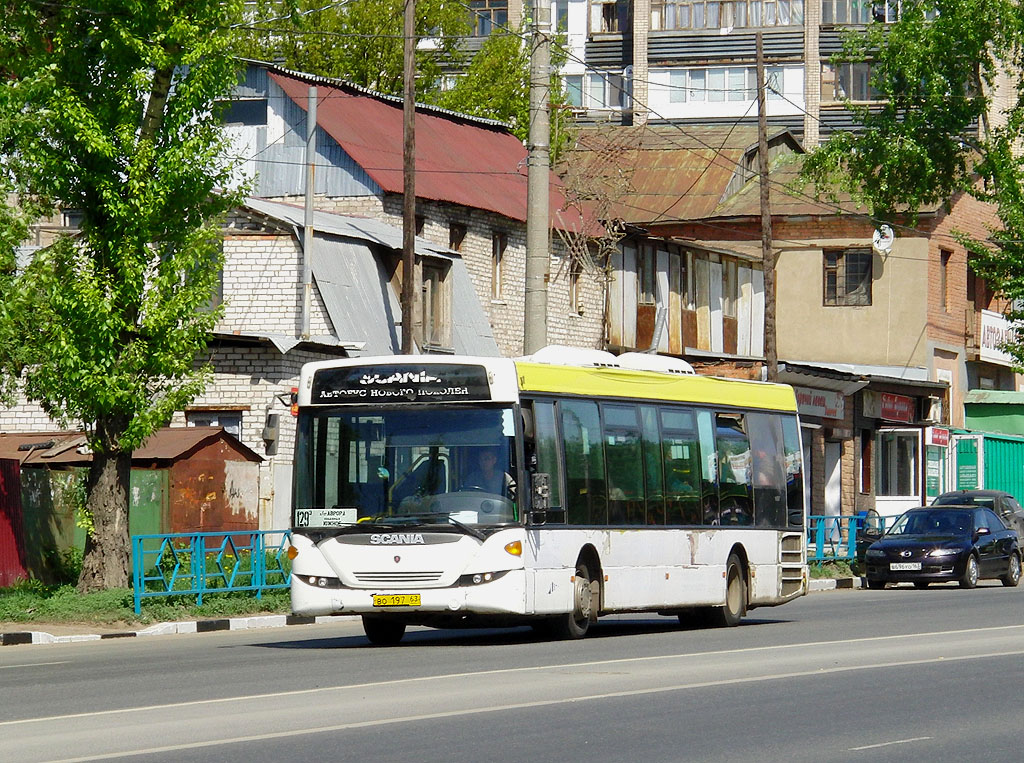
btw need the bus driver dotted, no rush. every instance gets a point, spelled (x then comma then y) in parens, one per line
(487, 477)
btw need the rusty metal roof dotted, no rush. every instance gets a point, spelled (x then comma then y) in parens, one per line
(459, 159)
(63, 448)
(674, 172)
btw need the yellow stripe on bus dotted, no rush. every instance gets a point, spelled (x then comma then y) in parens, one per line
(649, 385)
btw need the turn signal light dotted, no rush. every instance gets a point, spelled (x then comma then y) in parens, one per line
(292, 552)
(515, 548)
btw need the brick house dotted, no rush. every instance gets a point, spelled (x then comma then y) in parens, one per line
(470, 189)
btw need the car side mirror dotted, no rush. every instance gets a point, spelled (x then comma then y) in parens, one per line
(981, 531)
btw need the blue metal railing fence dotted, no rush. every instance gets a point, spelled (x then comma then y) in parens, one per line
(194, 564)
(834, 538)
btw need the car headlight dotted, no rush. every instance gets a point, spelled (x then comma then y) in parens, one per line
(874, 553)
(944, 552)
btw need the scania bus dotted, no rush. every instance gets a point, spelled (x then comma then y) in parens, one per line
(618, 489)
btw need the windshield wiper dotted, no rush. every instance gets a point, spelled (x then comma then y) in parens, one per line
(467, 529)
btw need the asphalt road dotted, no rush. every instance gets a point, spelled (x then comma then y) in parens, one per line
(856, 675)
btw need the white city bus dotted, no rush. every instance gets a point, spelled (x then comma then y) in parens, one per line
(460, 491)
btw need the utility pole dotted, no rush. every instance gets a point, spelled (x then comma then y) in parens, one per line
(307, 219)
(538, 255)
(409, 177)
(771, 356)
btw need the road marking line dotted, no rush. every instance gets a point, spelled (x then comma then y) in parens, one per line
(514, 706)
(501, 671)
(34, 665)
(887, 744)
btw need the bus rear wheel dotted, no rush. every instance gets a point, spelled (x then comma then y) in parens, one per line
(383, 631)
(575, 624)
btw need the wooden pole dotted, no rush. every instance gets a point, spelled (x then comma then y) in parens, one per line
(768, 257)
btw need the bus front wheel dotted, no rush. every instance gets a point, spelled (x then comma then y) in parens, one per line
(576, 623)
(383, 631)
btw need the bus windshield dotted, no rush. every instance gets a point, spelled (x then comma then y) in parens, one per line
(451, 465)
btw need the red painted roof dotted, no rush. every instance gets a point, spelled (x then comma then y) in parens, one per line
(458, 159)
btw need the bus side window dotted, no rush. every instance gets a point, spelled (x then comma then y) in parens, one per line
(585, 496)
(682, 467)
(546, 444)
(709, 467)
(625, 465)
(653, 465)
(794, 471)
(735, 506)
(769, 473)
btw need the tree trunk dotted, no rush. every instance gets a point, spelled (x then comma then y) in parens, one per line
(108, 547)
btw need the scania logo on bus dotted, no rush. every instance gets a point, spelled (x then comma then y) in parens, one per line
(396, 539)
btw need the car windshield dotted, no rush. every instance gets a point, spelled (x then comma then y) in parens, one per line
(965, 499)
(940, 522)
(449, 466)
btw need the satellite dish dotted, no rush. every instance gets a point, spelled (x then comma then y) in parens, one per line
(882, 239)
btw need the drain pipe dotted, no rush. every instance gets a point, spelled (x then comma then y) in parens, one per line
(307, 246)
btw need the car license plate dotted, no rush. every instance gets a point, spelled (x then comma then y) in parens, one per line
(397, 600)
(904, 566)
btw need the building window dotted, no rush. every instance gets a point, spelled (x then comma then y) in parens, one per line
(230, 421)
(574, 90)
(245, 112)
(456, 235)
(647, 276)
(850, 81)
(944, 257)
(720, 84)
(488, 15)
(436, 322)
(499, 242)
(609, 16)
(72, 218)
(896, 472)
(716, 14)
(863, 12)
(421, 221)
(575, 298)
(605, 91)
(847, 277)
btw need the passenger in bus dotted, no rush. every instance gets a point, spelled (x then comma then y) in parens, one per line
(487, 477)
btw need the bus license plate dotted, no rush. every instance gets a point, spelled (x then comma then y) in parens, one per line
(397, 600)
(904, 566)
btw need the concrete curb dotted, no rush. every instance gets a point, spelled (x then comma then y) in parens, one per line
(271, 621)
(163, 629)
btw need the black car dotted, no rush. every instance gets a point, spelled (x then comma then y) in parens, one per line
(1002, 503)
(938, 544)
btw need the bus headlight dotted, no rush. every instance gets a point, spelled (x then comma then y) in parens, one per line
(479, 578)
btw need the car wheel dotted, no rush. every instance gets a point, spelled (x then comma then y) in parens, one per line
(920, 584)
(575, 624)
(876, 585)
(383, 631)
(970, 577)
(1012, 576)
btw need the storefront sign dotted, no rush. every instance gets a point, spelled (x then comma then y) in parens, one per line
(822, 403)
(938, 436)
(995, 332)
(890, 407)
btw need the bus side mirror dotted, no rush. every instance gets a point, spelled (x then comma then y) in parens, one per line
(541, 497)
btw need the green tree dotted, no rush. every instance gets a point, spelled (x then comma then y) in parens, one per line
(109, 107)
(357, 41)
(496, 85)
(938, 130)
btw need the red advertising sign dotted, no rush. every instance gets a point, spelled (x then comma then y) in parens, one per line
(938, 436)
(897, 408)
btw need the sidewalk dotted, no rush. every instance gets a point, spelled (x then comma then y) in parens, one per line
(62, 633)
